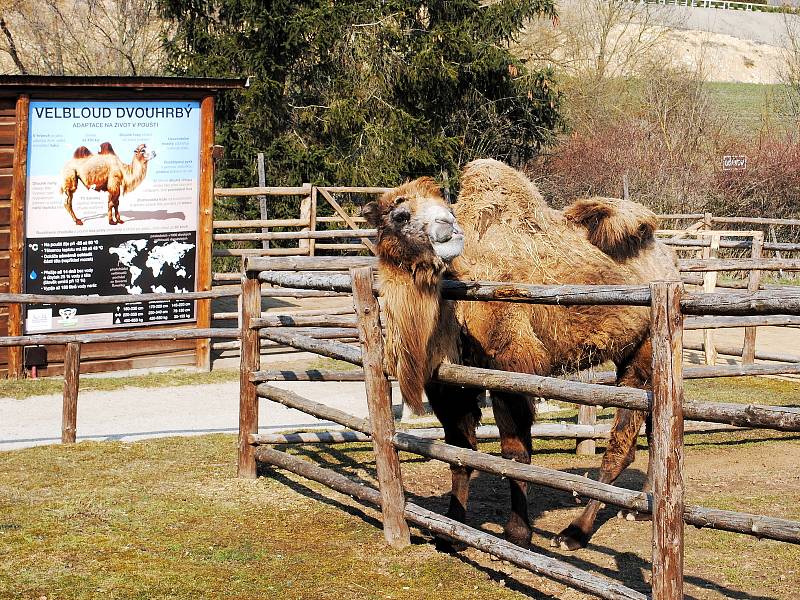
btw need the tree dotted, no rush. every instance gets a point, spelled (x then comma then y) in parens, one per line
(82, 37)
(366, 92)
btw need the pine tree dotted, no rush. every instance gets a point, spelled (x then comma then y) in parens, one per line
(366, 92)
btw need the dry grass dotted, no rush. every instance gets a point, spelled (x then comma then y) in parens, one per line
(167, 519)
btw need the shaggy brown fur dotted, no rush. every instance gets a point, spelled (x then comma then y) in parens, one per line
(512, 235)
(410, 275)
(103, 172)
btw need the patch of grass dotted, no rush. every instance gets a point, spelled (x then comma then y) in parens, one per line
(744, 390)
(25, 388)
(752, 107)
(167, 519)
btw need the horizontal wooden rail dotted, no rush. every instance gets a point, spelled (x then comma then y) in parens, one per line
(319, 333)
(331, 234)
(256, 264)
(539, 564)
(263, 191)
(242, 224)
(703, 265)
(755, 220)
(259, 252)
(139, 335)
(726, 322)
(782, 302)
(744, 245)
(354, 189)
(484, 432)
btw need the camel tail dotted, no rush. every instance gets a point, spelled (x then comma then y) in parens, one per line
(620, 228)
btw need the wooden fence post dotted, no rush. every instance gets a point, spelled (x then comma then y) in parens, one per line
(667, 449)
(307, 215)
(69, 411)
(312, 220)
(250, 360)
(709, 285)
(753, 284)
(379, 401)
(587, 415)
(263, 211)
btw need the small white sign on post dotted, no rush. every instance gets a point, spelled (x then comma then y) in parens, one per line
(734, 163)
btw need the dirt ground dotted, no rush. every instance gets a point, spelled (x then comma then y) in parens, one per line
(748, 473)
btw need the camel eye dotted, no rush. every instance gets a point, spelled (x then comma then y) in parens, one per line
(399, 200)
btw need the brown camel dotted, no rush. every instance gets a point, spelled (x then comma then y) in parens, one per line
(510, 234)
(103, 172)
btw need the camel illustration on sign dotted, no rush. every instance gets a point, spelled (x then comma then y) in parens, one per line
(103, 172)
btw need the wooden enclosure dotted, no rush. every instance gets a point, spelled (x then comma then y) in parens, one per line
(669, 305)
(16, 95)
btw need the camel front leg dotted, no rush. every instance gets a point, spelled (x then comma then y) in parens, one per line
(457, 409)
(113, 207)
(514, 416)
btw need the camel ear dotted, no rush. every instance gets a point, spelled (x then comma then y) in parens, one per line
(371, 212)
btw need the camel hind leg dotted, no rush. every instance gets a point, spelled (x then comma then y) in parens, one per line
(68, 188)
(621, 450)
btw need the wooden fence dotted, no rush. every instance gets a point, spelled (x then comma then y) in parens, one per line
(668, 304)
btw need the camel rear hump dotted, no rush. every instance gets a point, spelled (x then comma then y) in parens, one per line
(620, 228)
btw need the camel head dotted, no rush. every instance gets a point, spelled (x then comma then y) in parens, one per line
(416, 227)
(141, 155)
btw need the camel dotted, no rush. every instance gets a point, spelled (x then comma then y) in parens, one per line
(103, 172)
(500, 229)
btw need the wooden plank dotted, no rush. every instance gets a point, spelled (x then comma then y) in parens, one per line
(17, 234)
(379, 402)
(666, 452)
(753, 284)
(7, 133)
(6, 157)
(69, 411)
(6, 182)
(5, 213)
(204, 228)
(346, 217)
(250, 361)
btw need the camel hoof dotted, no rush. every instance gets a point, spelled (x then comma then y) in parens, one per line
(571, 539)
(519, 536)
(78, 222)
(120, 221)
(634, 515)
(112, 222)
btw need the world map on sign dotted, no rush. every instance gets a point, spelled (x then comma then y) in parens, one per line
(156, 266)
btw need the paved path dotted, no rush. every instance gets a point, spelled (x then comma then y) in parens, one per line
(135, 413)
